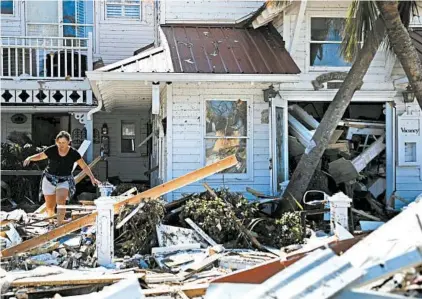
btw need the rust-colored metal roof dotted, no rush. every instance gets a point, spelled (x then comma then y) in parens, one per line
(416, 35)
(228, 50)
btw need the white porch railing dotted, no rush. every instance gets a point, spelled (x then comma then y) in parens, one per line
(31, 57)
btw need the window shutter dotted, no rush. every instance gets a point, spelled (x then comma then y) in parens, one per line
(132, 11)
(114, 11)
(80, 18)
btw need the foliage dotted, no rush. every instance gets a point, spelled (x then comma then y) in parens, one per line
(213, 215)
(139, 234)
(123, 187)
(361, 18)
(280, 232)
(12, 156)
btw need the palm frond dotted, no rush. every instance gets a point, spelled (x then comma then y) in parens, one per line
(361, 17)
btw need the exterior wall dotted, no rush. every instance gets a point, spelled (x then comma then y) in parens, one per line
(376, 77)
(127, 166)
(7, 126)
(185, 129)
(408, 178)
(117, 39)
(11, 25)
(207, 10)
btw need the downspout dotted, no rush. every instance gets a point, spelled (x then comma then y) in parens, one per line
(95, 110)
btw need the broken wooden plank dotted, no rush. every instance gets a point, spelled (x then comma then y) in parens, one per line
(210, 190)
(200, 232)
(182, 295)
(362, 213)
(343, 170)
(180, 182)
(151, 193)
(196, 267)
(76, 207)
(70, 280)
(128, 217)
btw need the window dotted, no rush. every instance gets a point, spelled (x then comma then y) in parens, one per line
(127, 9)
(325, 43)
(7, 7)
(226, 132)
(128, 137)
(78, 18)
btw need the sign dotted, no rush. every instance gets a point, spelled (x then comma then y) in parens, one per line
(332, 76)
(19, 118)
(410, 127)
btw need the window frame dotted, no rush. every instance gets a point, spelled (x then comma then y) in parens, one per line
(329, 15)
(248, 175)
(123, 18)
(15, 13)
(60, 24)
(122, 123)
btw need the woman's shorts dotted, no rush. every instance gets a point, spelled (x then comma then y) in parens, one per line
(49, 189)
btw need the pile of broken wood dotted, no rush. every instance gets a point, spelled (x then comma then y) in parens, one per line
(354, 161)
(195, 258)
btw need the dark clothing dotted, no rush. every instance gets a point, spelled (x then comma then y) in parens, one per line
(58, 165)
(59, 169)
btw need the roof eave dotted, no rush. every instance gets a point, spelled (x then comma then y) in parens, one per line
(191, 77)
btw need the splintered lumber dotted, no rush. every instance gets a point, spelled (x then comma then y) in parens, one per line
(151, 193)
(69, 280)
(180, 182)
(200, 232)
(199, 266)
(362, 213)
(343, 170)
(78, 179)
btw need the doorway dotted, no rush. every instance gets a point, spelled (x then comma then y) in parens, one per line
(46, 126)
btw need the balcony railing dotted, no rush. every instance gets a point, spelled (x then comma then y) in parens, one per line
(31, 57)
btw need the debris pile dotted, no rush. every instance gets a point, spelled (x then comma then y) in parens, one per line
(192, 247)
(354, 162)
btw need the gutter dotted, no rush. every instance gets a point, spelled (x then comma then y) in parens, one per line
(191, 77)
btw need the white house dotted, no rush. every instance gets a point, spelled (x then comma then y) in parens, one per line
(200, 89)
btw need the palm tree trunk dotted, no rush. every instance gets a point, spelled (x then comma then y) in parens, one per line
(402, 45)
(310, 159)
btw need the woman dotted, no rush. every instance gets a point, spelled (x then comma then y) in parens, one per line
(57, 182)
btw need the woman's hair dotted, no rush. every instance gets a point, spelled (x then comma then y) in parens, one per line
(63, 134)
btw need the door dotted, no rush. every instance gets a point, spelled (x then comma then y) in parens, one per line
(279, 152)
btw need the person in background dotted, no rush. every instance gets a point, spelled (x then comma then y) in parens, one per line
(57, 182)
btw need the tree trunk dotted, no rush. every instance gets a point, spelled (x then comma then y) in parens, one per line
(402, 45)
(305, 169)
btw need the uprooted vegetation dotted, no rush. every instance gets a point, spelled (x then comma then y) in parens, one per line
(216, 216)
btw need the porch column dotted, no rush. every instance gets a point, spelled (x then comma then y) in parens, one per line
(89, 127)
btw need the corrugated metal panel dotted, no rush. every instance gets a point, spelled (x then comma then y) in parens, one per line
(416, 35)
(224, 49)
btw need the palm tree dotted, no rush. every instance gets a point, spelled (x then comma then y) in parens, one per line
(363, 23)
(396, 19)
